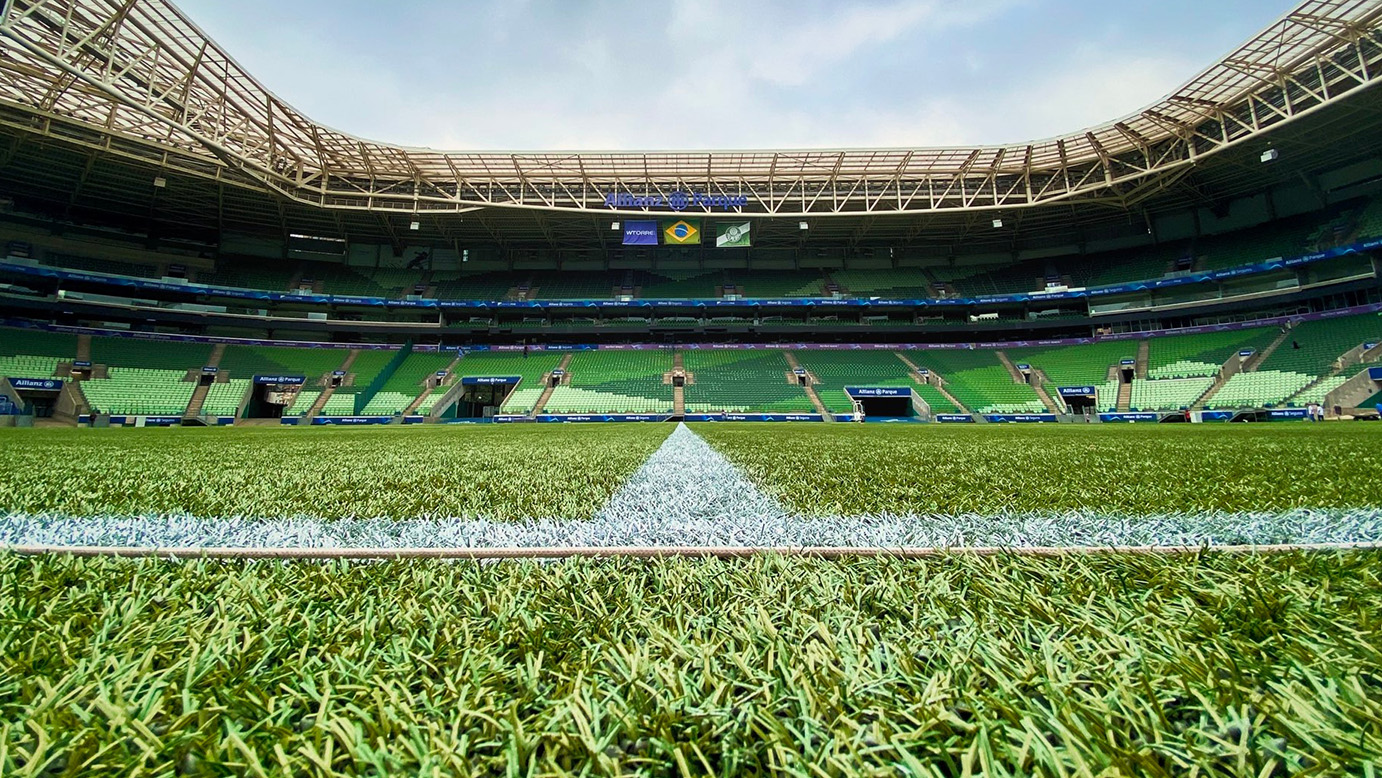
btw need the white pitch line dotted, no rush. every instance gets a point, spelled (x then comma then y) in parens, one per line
(687, 495)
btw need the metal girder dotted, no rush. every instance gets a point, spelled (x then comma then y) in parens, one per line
(142, 79)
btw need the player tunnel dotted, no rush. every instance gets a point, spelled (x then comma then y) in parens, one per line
(883, 402)
(272, 395)
(478, 397)
(1080, 399)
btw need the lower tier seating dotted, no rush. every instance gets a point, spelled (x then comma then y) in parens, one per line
(224, 399)
(1260, 389)
(140, 392)
(741, 381)
(1172, 394)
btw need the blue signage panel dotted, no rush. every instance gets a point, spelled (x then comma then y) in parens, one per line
(1023, 366)
(81, 363)
(923, 371)
(1375, 373)
(640, 233)
(1287, 413)
(262, 380)
(1247, 352)
(352, 420)
(209, 370)
(1128, 362)
(1217, 415)
(43, 384)
(676, 201)
(1020, 418)
(1130, 417)
(954, 418)
(1077, 391)
(619, 417)
(487, 380)
(878, 391)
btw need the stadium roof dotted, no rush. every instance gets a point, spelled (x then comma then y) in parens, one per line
(135, 82)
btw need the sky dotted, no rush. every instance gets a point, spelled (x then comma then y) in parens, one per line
(723, 74)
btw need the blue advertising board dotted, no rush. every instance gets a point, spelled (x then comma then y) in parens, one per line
(1127, 362)
(279, 380)
(1375, 373)
(352, 420)
(954, 418)
(488, 380)
(613, 417)
(1020, 418)
(209, 370)
(640, 233)
(1077, 391)
(41, 384)
(1287, 413)
(1129, 417)
(878, 391)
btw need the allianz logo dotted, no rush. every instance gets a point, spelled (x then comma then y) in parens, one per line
(676, 201)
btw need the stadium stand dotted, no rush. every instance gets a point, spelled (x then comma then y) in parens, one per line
(1188, 356)
(453, 285)
(529, 369)
(680, 287)
(1075, 365)
(34, 354)
(574, 286)
(740, 381)
(899, 282)
(242, 274)
(1169, 394)
(367, 365)
(835, 370)
(223, 399)
(1309, 353)
(406, 383)
(95, 265)
(979, 381)
(140, 391)
(249, 361)
(164, 355)
(615, 382)
(304, 402)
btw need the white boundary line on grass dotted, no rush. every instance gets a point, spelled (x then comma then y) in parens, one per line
(688, 500)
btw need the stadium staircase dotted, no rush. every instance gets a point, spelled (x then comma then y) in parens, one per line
(1038, 382)
(1016, 374)
(1144, 349)
(194, 405)
(1125, 396)
(939, 386)
(1257, 359)
(548, 388)
(429, 391)
(1232, 367)
(83, 348)
(810, 392)
(678, 393)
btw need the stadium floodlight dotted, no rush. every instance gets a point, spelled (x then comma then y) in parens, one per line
(997, 223)
(1270, 155)
(160, 182)
(614, 226)
(414, 225)
(803, 225)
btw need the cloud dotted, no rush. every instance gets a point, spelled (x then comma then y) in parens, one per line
(610, 74)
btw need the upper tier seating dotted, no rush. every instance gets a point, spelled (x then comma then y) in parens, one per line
(835, 370)
(575, 285)
(248, 275)
(740, 381)
(979, 381)
(680, 286)
(304, 402)
(615, 382)
(452, 285)
(899, 282)
(1313, 347)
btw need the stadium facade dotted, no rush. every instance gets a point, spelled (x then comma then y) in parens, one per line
(152, 186)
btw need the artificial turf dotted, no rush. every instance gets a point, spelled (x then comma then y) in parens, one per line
(1209, 664)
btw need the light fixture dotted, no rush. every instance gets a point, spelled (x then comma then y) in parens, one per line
(614, 226)
(1270, 155)
(414, 226)
(997, 223)
(803, 225)
(160, 182)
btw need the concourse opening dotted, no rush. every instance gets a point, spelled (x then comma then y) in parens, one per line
(273, 395)
(883, 402)
(478, 397)
(1080, 400)
(39, 396)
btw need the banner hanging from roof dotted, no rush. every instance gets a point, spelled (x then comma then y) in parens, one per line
(732, 235)
(640, 233)
(681, 232)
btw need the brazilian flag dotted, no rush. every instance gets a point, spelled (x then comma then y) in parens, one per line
(681, 232)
